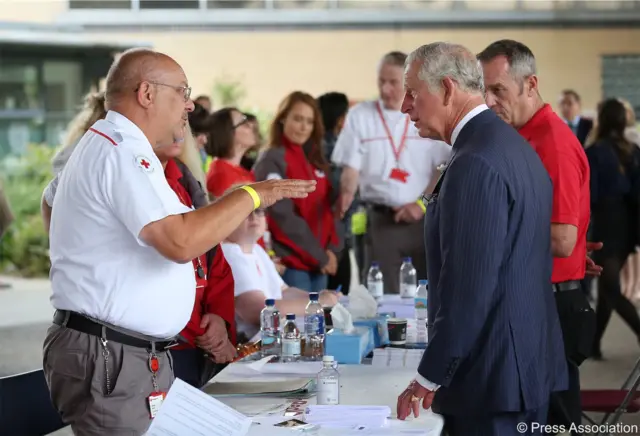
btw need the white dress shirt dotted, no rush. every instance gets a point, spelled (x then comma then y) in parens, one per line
(113, 186)
(364, 145)
(454, 135)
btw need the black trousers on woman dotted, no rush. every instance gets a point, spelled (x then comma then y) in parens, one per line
(615, 224)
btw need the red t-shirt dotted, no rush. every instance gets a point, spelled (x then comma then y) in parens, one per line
(223, 175)
(567, 165)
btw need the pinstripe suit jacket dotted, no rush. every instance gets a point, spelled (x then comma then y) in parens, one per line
(495, 343)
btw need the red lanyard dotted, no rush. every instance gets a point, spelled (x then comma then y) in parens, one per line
(397, 151)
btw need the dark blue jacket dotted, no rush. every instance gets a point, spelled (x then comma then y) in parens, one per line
(495, 343)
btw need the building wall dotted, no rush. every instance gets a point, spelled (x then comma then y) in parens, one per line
(31, 11)
(271, 64)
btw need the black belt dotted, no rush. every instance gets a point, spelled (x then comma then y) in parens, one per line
(569, 285)
(85, 325)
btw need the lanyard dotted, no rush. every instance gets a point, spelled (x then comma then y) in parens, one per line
(397, 151)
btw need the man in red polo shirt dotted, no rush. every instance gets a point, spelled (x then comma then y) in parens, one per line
(511, 87)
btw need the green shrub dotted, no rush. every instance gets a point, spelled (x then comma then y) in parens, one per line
(24, 247)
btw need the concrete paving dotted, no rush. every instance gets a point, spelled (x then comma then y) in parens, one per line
(25, 314)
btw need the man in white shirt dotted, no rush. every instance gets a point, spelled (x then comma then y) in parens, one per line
(121, 246)
(382, 154)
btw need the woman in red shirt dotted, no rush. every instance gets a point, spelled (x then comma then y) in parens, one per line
(210, 334)
(303, 230)
(231, 136)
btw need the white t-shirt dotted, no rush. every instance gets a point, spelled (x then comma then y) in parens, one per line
(112, 186)
(364, 145)
(252, 272)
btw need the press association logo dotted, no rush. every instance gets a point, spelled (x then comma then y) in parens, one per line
(585, 429)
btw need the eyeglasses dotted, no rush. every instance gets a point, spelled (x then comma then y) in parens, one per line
(185, 90)
(243, 121)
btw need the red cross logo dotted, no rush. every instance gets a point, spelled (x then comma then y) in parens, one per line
(144, 163)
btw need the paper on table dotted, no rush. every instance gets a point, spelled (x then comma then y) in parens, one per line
(343, 416)
(190, 412)
(263, 367)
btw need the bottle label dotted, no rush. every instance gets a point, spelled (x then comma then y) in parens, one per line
(328, 392)
(291, 347)
(268, 339)
(407, 290)
(420, 303)
(314, 324)
(376, 289)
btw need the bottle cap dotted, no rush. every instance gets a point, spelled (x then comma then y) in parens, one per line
(327, 359)
(407, 259)
(291, 316)
(270, 302)
(374, 263)
(423, 282)
(313, 296)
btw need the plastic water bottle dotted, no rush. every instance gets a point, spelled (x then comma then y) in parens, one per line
(328, 383)
(375, 281)
(408, 279)
(314, 328)
(420, 308)
(290, 340)
(270, 329)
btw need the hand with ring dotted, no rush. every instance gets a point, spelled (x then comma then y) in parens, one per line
(410, 399)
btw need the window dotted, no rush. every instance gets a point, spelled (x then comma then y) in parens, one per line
(169, 4)
(99, 4)
(62, 92)
(19, 87)
(621, 78)
(235, 4)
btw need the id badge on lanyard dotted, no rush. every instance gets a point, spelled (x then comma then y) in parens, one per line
(397, 173)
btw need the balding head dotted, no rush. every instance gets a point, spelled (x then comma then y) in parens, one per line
(133, 67)
(151, 90)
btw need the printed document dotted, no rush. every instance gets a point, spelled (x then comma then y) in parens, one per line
(188, 411)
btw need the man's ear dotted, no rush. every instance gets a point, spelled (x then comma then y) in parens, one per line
(448, 86)
(145, 94)
(531, 84)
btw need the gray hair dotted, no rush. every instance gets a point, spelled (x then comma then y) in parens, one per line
(522, 63)
(443, 59)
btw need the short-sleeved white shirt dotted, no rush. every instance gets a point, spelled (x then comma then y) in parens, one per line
(364, 145)
(113, 186)
(252, 272)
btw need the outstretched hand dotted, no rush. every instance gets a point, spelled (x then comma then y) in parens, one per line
(272, 191)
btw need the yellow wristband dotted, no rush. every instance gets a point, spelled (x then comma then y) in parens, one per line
(254, 195)
(422, 206)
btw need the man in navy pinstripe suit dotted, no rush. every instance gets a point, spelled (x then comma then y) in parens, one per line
(495, 349)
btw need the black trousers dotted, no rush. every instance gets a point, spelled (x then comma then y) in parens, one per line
(577, 320)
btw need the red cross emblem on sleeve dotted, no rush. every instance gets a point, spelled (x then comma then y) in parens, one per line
(144, 163)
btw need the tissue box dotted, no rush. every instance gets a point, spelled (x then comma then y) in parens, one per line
(349, 348)
(378, 327)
